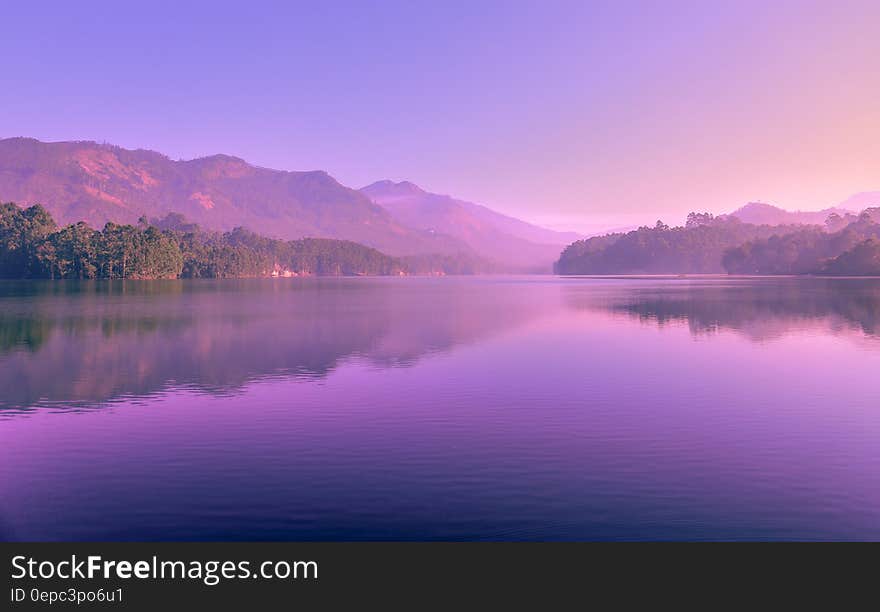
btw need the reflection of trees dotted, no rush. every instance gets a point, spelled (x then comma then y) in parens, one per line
(98, 343)
(759, 308)
(22, 332)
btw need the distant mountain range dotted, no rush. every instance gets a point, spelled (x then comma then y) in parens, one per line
(491, 234)
(861, 201)
(760, 213)
(96, 183)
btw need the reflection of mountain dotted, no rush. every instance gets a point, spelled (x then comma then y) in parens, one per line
(81, 343)
(759, 308)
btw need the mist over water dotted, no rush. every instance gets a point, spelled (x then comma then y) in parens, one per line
(453, 408)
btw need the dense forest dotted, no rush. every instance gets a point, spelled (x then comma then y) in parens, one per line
(812, 249)
(861, 260)
(33, 246)
(696, 248)
(847, 245)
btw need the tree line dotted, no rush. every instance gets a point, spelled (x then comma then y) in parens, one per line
(852, 250)
(707, 244)
(33, 246)
(696, 248)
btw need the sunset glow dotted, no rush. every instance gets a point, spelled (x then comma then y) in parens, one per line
(576, 115)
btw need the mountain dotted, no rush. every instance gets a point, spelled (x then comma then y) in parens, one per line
(861, 201)
(759, 213)
(510, 241)
(96, 183)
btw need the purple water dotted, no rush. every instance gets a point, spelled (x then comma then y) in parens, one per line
(533, 408)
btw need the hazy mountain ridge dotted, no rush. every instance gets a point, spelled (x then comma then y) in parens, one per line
(861, 201)
(489, 233)
(759, 213)
(96, 183)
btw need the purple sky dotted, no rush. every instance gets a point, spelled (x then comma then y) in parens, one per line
(578, 114)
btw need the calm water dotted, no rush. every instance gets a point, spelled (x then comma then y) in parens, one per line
(454, 408)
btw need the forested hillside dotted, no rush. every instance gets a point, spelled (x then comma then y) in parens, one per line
(845, 245)
(33, 246)
(97, 184)
(811, 250)
(696, 248)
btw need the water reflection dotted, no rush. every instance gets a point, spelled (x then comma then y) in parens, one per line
(758, 308)
(91, 342)
(76, 344)
(458, 409)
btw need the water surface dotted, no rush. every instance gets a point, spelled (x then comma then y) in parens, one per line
(535, 408)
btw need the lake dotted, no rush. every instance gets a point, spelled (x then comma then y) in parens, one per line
(457, 408)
